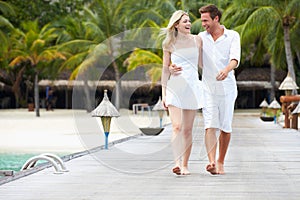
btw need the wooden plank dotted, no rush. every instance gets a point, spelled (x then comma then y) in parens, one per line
(6, 172)
(263, 162)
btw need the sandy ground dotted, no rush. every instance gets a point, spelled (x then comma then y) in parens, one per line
(66, 131)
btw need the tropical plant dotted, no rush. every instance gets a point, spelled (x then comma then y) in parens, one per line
(11, 77)
(270, 20)
(148, 59)
(5, 25)
(35, 47)
(295, 32)
(152, 58)
(77, 39)
(6, 9)
(111, 18)
(163, 11)
(45, 11)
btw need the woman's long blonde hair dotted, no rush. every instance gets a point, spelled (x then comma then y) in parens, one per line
(171, 32)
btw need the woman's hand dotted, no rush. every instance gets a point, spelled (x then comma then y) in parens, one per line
(164, 102)
(175, 70)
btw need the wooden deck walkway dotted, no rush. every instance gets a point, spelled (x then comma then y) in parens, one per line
(263, 162)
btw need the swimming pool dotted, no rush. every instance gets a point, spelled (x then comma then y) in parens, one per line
(15, 161)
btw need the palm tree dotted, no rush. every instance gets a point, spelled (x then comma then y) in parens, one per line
(158, 17)
(6, 9)
(34, 46)
(77, 39)
(275, 17)
(12, 77)
(6, 27)
(96, 37)
(111, 18)
(148, 59)
(295, 32)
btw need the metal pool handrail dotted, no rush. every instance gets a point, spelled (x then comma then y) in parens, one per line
(57, 163)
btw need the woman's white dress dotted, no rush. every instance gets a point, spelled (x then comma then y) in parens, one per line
(185, 90)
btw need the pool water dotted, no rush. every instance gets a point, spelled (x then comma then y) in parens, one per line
(15, 162)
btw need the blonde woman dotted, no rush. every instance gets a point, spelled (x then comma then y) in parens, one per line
(182, 91)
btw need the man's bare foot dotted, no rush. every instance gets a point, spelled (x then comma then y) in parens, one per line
(176, 170)
(185, 171)
(220, 168)
(211, 168)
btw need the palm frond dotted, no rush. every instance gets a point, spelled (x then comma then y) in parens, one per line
(293, 9)
(6, 9)
(155, 73)
(18, 60)
(5, 23)
(197, 26)
(73, 61)
(82, 67)
(93, 32)
(151, 15)
(141, 57)
(37, 46)
(76, 46)
(16, 52)
(51, 54)
(4, 43)
(251, 30)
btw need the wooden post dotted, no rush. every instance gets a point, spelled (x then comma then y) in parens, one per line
(295, 121)
(287, 110)
(287, 123)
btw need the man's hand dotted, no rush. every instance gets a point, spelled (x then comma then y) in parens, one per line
(175, 70)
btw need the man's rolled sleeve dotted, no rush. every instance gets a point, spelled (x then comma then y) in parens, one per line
(235, 49)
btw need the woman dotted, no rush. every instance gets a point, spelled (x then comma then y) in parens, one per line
(181, 92)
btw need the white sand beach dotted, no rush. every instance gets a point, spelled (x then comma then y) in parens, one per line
(66, 131)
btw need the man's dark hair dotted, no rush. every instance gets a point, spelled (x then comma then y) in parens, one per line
(212, 10)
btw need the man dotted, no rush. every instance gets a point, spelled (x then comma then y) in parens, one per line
(220, 54)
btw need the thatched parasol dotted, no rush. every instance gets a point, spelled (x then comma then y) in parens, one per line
(105, 110)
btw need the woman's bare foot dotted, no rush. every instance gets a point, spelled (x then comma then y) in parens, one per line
(176, 170)
(220, 168)
(211, 168)
(185, 171)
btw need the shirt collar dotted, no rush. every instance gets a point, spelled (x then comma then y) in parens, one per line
(225, 31)
(225, 34)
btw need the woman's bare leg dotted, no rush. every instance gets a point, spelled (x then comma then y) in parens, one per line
(176, 140)
(188, 117)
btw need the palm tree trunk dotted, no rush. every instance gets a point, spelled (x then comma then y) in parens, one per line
(288, 51)
(298, 55)
(272, 77)
(36, 95)
(86, 90)
(118, 85)
(117, 75)
(16, 86)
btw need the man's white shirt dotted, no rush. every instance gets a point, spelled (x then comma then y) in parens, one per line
(216, 56)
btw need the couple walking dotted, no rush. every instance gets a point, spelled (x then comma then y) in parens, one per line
(217, 52)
